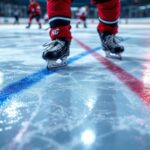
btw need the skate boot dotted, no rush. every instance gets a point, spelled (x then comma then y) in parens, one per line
(110, 45)
(57, 50)
(40, 26)
(77, 25)
(28, 26)
(84, 25)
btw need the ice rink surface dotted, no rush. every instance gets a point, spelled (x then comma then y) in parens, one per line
(95, 103)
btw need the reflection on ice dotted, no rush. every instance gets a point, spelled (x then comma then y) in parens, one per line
(1, 78)
(90, 104)
(88, 137)
(83, 106)
(146, 75)
(12, 110)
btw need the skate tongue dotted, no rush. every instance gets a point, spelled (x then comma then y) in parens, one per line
(54, 45)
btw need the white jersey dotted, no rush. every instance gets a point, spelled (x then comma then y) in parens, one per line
(83, 11)
(46, 16)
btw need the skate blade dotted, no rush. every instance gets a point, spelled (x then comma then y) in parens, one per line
(113, 56)
(52, 64)
(55, 66)
(107, 53)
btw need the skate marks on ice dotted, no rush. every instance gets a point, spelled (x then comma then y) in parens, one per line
(57, 126)
(42, 133)
(128, 79)
(77, 101)
(44, 127)
(63, 120)
(30, 80)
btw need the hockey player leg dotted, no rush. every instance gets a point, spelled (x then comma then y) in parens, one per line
(84, 21)
(29, 22)
(109, 12)
(59, 20)
(84, 24)
(38, 21)
(56, 53)
(78, 23)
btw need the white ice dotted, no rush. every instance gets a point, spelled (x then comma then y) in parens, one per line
(79, 107)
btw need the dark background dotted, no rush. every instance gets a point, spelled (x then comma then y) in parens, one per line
(79, 2)
(129, 8)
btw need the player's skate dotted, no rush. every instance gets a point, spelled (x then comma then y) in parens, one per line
(40, 26)
(110, 45)
(57, 50)
(28, 26)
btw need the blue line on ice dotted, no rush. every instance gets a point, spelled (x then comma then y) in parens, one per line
(26, 82)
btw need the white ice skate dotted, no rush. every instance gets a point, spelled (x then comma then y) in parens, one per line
(56, 53)
(113, 55)
(110, 46)
(56, 64)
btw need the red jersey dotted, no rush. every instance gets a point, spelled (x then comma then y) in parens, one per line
(34, 8)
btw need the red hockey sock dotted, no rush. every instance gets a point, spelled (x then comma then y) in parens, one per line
(108, 13)
(59, 13)
(61, 32)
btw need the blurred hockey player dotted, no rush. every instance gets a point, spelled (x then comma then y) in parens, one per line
(46, 19)
(59, 19)
(34, 11)
(16, 16)
(82, 16)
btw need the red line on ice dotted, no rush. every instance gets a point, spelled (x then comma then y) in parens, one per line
(129, 80)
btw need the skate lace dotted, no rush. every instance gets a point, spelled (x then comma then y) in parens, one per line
(54, 45)
(111, 41)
